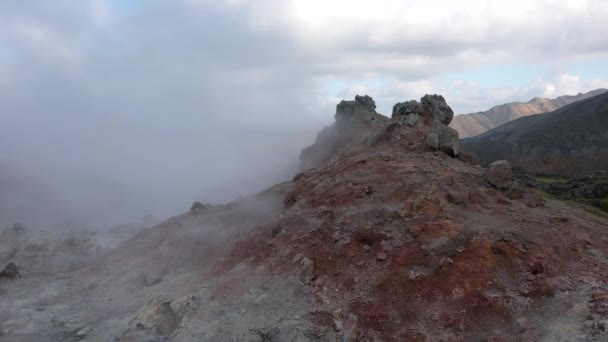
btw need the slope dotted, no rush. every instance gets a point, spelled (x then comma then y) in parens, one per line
(388, 237)
(469, 125)
(571, 141)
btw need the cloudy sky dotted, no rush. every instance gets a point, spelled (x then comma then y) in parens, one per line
(128, 107)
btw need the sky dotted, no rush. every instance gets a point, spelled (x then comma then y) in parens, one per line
(121, 108)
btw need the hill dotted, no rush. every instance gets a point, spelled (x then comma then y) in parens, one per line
(386, 235)
(571, 141)
(469, 125)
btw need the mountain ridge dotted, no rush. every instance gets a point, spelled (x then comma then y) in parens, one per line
(571, 141)
(473, 124)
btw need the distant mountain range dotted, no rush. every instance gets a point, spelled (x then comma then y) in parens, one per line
(470, 125)
(571, 141)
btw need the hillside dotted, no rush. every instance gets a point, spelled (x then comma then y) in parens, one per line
(572, 141)
(469, 125)
(386, 235)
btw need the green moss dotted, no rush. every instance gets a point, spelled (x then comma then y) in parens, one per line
(551, 179)
(594, 206)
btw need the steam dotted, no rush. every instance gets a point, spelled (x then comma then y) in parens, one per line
(99, 131)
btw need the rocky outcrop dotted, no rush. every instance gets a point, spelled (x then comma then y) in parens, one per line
(433, 106)
(437, 108)
(431, 115)
(197, 207)
(444, 139)
(355, 122)
(412, 124)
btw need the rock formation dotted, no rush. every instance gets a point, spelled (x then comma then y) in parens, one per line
(413, 124)
(197, 207)
(499, 174)
(355, 122)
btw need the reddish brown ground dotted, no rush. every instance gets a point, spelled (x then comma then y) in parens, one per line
(403, 263)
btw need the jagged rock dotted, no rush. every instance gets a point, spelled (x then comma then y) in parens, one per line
(445, 139)
(438, 109)
(356, 121)
(407, 113)
(500, 174)
(367, 101)
(10, 271)
(198, 207)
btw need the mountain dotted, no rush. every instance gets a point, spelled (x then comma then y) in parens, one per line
(385, 235)
(571, 141)
(469, 125)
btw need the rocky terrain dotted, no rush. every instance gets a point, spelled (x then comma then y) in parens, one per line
(591, 189)
(470, 125)
(385, 235)
(570, 142)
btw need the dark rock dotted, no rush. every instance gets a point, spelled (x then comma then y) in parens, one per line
(10, 271)
(500, 174)
(407, 113)
(197, 207)
(445, 139)
(356, 121)
(366, 101)
(439, 110)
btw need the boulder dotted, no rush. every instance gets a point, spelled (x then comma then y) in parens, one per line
(198, 207)
(444, 139)
(499, 174)
(407, 113)
(360, 111)
(438, 109)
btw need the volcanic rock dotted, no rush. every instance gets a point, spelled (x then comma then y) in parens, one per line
(439, 110)
(366, 101)
(444, 139)
(198, 207)
(499, 174)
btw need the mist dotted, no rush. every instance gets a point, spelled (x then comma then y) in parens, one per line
(107, 119)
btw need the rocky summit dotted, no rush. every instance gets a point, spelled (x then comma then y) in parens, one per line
(384, 235)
